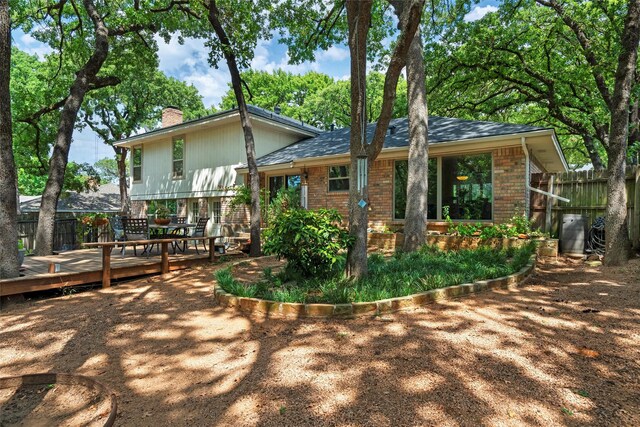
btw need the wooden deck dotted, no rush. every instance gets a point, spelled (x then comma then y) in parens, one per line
(84, 266)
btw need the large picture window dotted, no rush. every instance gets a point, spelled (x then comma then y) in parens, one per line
(339, 178)
(137, 163)
(401, 169)
(278, 182)
(178, 157)
(467, 187)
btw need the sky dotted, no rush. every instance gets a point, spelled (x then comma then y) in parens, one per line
(188, 62)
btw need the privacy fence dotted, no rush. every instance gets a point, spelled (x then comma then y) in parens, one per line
(587, 192)
(69, 233)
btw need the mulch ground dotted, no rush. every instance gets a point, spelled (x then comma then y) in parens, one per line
(563, 349)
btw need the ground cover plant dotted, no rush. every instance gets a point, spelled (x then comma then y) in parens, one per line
(400, 275)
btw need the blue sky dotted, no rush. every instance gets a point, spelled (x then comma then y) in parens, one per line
(188, 62)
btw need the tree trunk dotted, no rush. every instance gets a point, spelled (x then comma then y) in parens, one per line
(8, 208)
(121, 160)
(594, 156)
(618, 244)
(359, 20)
(59, 159)
(415, 220)
(247, 128)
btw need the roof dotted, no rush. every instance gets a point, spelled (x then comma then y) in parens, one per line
(105, 199)
(253, 110)
(441, 130)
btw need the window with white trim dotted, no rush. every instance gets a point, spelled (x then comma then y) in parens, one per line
(136, 163)
(339, 178)
(216, 214)
(177, 152)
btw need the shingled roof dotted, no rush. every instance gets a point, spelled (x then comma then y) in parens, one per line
(441, 130)
(105, 200)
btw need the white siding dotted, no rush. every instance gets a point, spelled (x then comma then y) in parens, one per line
(211, 156)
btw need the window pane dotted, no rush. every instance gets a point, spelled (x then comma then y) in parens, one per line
(339, 171)
(137, 173)
(217, 212)
(467, 187)
(400, 189)
(137, 156)
(275, 184)
(339, 178)
(177, 168)
(178, 149)
(293, 181)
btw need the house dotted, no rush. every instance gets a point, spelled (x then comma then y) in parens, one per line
(478, 170)
(190, 167)
(106, 199)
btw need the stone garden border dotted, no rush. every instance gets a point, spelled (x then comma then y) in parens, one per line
(358, 309)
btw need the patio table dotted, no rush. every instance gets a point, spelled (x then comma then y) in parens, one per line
(161, 231)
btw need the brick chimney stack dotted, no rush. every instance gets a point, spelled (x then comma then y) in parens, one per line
(171, 116)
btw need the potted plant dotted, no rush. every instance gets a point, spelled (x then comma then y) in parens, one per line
(162, 216)
(21, 252)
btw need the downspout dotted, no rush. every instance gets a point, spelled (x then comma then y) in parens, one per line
(526, 182)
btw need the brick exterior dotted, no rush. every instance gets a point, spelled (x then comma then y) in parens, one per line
(171, 116)
(509, 191)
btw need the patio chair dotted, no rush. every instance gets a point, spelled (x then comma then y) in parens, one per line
(200, 230)
(136, 229)
(117, 229)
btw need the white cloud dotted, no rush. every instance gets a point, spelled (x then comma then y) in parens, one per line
(478, 12)
(32, 46)
(334, 53)
(212, 84)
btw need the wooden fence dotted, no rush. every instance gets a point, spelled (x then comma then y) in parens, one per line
(68, 233)
(587, 192)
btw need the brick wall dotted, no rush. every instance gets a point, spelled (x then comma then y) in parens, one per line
(171, 116)
(509, 191)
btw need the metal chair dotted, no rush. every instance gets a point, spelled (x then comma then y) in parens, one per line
(117, 229)
(136, 229)
(200, 230)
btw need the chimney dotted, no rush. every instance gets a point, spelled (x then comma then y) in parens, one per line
(277, 109)
(171, 116)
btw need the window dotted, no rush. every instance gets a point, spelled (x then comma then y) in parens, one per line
(178, 157)
(401, 170)
(217, 212)
(276, 183)
(467, 187)
(195, 211)
(339, 178)
(137, 163)
(171, 204)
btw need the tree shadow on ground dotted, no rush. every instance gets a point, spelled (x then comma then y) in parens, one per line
(530, 356)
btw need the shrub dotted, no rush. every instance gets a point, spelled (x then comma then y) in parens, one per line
(309, 240)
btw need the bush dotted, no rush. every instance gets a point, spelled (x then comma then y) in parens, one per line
(309, 240)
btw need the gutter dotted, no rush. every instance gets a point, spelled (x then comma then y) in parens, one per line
(526, 181)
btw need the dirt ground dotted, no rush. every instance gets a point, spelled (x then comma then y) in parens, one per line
(564, 349)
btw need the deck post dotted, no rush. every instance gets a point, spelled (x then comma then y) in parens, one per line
(212, 249)
(106, 265)
(165, 257)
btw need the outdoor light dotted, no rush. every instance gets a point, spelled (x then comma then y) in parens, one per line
(362, 173)
(462, 177)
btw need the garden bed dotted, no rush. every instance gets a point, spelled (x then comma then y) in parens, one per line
(396, 283)
(390, 242)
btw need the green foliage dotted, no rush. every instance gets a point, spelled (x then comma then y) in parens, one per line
(162, 212)
(315, 98)
(310, 240)
(404, 274)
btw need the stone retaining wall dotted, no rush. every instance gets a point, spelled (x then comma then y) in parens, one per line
(298, 310)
